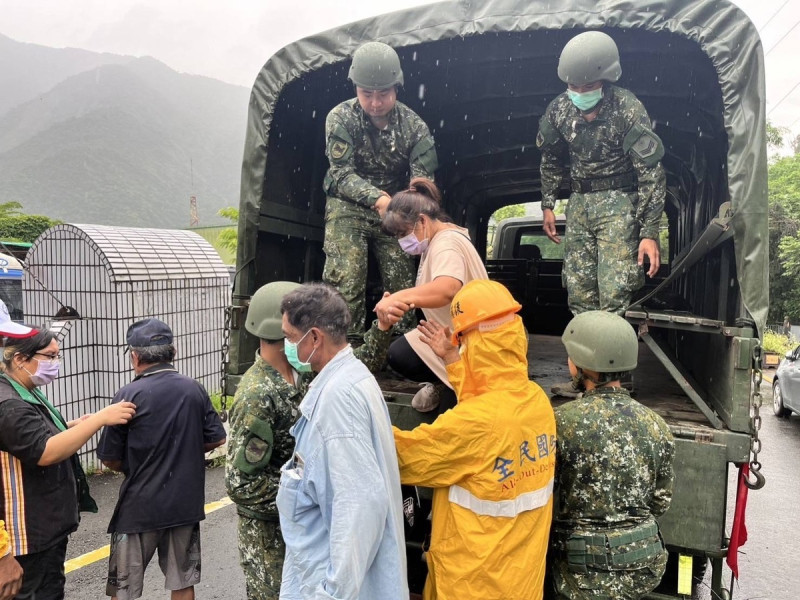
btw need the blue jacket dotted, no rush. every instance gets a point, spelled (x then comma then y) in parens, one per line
(339, 497)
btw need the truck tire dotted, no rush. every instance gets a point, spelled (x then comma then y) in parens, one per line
(777, 401)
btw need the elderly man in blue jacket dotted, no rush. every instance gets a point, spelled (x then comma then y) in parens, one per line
(339, 499)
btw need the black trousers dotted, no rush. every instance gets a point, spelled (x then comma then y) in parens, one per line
(405, 361)
(43, 575)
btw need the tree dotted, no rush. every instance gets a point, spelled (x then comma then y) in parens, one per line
(229, 238)
(15, 226)
(10, 209)
(784, 238)
(507, 212)
(775, 136)
(795, 144)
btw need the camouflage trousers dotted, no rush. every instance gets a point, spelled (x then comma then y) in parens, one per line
(351, 231)
(595, 584)
(601, 251)
(261, 552)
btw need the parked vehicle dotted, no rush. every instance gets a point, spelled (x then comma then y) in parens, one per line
(786, 385)
(481, 74)
(529, 264)
(11, 275)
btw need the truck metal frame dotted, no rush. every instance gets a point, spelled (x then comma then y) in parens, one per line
(481, 75)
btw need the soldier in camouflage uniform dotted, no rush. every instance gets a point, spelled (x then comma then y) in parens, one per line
(264, 408)
(375, 145)
(614, 474)
(598, 137)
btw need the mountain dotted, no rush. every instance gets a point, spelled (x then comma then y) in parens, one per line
(27, 70)
(123, 143)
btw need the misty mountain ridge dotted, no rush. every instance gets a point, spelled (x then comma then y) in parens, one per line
(125, 141)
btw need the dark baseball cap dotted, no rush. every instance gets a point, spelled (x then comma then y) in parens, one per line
(148, 332)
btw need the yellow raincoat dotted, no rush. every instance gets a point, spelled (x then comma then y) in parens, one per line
(491, 462)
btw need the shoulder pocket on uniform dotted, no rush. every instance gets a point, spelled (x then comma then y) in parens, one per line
(548, 134)
(424, 153)
(644, 144)
(340, 144)
(256, 451)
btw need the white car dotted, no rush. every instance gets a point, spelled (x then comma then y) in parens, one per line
(786, 385)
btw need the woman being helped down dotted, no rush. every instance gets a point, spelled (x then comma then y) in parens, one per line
(448, 261)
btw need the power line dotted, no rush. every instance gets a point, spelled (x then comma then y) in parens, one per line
(782, 38)
(780, 8)
(789, 93)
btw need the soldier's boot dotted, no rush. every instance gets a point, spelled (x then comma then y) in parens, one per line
(570, 389)
(428, 396)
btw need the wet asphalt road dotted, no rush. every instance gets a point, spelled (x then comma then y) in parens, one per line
(769, 568)
(768, 565)
(221, 576)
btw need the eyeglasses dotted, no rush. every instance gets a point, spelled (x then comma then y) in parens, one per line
(50, 357)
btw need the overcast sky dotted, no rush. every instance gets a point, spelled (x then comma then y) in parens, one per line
(232, 40)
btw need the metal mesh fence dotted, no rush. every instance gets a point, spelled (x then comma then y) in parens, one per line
(114, 277)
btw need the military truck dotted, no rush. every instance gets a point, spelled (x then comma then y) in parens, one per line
(481, 74)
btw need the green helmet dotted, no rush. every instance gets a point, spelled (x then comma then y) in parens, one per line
(264, 315)
(375, 66)
(601, 341)
(589, 57)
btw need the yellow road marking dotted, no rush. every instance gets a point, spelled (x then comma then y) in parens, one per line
(84, 560)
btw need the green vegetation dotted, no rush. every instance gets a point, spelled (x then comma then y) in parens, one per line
(216, 401)
(229, 237)
(778, 343)
(127, 143)
(507, 212)
(784, 232)
(15, 226)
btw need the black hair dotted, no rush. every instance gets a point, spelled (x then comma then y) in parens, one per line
(27, 347)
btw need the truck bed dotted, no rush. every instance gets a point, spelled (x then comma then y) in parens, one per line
(547, 365)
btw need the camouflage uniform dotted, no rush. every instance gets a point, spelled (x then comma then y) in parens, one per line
(259, 443)
(618, 187)
(614, 477)
(364, 161)
(264, 408)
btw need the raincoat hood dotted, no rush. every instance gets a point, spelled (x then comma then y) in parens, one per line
(492, 360)
(491, 462)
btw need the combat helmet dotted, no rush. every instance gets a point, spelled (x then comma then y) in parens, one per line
(588, 57)
(480, 300)
(601, 341)
(375, 66)
(264, 314)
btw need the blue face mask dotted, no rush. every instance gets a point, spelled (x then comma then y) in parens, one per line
(587, 100)
(290, 349)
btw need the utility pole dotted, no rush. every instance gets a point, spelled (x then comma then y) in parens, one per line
(194, 220)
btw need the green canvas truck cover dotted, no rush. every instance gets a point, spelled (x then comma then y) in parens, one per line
(723, 102)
